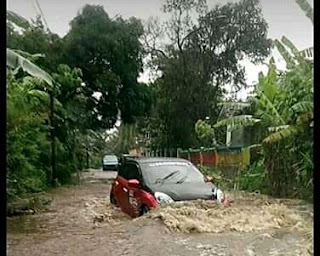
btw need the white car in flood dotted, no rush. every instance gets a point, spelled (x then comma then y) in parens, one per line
(110, 163)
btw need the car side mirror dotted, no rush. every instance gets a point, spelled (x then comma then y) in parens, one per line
(209, 179)
(133, 183)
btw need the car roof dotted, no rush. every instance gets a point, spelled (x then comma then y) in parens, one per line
(158, 159)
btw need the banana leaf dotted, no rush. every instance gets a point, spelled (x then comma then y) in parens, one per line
(15, 61)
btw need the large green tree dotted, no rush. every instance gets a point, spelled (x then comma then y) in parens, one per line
(60, 123)
(109, 53)
(200, 58)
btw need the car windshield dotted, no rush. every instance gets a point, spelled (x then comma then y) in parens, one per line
(110, 158)
(171, 172)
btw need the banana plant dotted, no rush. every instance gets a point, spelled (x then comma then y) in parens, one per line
(234, 122)
(271, 97)
(305, 6)
(15, 61)
(295, 56)
(284, 104)
(17, 20)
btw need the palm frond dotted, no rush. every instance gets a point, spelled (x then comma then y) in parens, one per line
(305, 6)
(237, 121)
(303, 106)
(307, 53)
(299, 55)
(281, 134)
(277, 128)
(255, 146)
(29, 56)
(285, 54)
(272, 63)
(268, 108)
(17, 19)
(260, 77)
(39, 94)
(290, 45)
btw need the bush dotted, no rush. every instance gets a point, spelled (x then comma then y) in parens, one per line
(96, 161)
(24, 182)
(26, 139)
(254, 178)
(219, 179)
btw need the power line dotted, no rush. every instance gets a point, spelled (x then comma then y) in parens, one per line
(40, 12)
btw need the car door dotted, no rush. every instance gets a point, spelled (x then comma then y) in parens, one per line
(133, 193)
(120, 188)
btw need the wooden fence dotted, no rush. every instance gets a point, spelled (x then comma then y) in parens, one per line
(219, 157)
(229, 160)
(165, 152)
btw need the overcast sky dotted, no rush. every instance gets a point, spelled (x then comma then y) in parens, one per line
(284, 17)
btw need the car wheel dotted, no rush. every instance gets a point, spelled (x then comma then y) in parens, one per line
(144, 209)
(113, 200)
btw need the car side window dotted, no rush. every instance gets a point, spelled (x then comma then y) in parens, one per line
(121, 171)
(132, 172)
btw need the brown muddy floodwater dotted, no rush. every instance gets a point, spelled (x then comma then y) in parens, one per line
(81, 222)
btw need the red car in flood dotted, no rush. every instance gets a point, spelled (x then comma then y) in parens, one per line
(143, 184)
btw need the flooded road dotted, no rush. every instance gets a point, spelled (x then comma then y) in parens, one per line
(82, 222)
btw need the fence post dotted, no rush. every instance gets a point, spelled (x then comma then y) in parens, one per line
(189, 156)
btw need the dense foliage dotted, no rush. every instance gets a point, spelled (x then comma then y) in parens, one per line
(199, 59)
(27, 145)
(109, 53)
(56, 126)
(64, 93)
(282, 115)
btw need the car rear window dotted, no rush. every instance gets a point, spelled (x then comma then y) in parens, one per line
(111, 158)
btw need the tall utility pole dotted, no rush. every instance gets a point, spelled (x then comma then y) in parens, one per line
(51, 111)
(52, 139)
